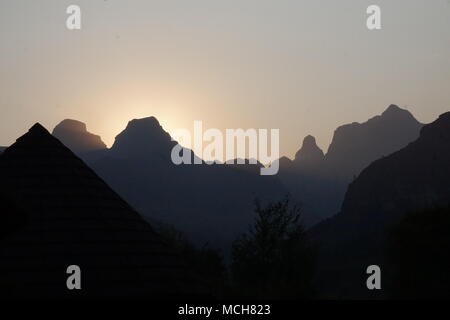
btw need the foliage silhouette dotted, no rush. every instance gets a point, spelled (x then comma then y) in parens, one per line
(274, 260)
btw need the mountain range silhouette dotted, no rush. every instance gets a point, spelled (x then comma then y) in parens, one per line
(88, 206)
(138, 166)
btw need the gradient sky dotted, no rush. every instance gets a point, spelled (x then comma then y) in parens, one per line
(304, 67)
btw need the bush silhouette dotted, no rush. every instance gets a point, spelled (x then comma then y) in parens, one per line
(274, 259)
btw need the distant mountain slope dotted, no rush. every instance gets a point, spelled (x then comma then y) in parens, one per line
(320, 182)
(75, 136)
(414, 178)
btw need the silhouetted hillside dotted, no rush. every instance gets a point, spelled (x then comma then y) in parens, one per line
(414, 178)
(57, 212)
(319, 182)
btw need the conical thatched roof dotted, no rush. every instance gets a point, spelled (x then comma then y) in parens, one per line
(57, 212)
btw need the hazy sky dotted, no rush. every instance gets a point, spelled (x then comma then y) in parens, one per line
(304, 67)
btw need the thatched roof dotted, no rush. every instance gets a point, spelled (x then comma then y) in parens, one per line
(57, 212)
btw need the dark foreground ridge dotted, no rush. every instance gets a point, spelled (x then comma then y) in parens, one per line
(57, 212)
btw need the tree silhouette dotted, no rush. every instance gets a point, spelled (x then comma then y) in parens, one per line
(274, 259)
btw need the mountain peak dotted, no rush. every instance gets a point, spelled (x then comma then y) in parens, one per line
(356, 145)
(309, 152)
(309, 141)
(394, 111)
(36, 139)
(73, 125)
(143, 126)
(437, 130)
(148, 122)
(74, 135)
(143, 137)
(380, 188)
(392, 108)
(36, 132)
(37, 128)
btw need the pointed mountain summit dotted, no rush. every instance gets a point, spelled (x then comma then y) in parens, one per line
(75, 136)
(310, 153)
(72, 217)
